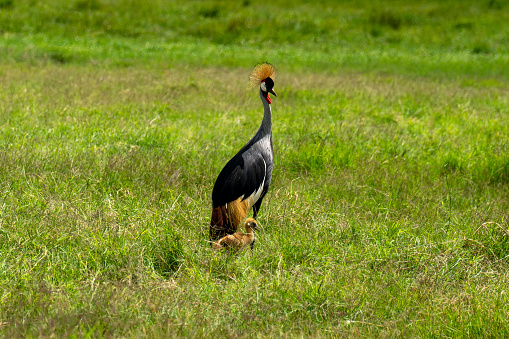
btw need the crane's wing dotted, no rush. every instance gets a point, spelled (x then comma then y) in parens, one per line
(243, 176)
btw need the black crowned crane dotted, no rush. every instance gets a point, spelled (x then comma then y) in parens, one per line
(245, 179)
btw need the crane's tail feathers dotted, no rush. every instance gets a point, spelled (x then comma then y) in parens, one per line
(226, 219)
(219, 225)
(237, 211)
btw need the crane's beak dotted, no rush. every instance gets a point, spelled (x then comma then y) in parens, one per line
(257, 226)
(272, 91)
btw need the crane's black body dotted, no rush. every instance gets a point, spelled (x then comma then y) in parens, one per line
(245, 179)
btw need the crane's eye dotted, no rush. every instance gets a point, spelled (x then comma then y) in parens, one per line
(263, 87)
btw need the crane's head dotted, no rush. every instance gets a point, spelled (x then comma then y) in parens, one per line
(263, 75)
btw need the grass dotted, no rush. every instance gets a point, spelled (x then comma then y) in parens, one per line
(449, 38)
(387, 214)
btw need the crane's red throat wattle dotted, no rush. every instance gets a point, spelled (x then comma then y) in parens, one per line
(267, 97)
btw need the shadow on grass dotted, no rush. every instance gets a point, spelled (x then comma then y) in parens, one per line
(166, 252)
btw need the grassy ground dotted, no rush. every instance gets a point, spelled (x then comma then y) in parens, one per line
(387, 215)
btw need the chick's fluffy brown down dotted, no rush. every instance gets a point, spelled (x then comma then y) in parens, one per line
(238, 241)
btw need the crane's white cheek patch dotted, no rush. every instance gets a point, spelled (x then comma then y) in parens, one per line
(263, 87)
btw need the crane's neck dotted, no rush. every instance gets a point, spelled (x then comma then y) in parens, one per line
(266, 127)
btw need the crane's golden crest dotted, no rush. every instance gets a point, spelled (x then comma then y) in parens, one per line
(261, 72)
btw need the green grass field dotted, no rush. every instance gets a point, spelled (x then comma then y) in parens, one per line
(388, 210)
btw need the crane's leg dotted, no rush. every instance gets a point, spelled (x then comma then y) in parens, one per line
(255, 212)
(256, 208)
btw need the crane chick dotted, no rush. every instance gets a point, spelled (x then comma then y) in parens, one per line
(238, 240)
